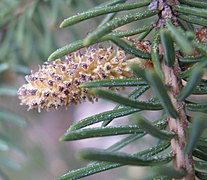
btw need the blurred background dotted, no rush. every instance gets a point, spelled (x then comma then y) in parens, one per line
(29, 145)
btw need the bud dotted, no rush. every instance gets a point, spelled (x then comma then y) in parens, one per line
(201, 35)
(145, 46)
(57, 83)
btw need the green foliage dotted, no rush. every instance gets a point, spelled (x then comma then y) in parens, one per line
(28, 33)
(178, 47)
(100, 11)
(29, 29)
(179, 37)
(168, 47)
(198, 126)
(178, 59)
(156, 83)
(149, 128)
(7, 142)
(115, 23)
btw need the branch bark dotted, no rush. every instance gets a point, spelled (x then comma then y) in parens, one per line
(181, 160)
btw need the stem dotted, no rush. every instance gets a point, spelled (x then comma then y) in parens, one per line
(181, 160)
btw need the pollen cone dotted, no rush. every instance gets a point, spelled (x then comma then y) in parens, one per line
(57, 83)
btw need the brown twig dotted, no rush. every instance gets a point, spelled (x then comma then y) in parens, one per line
(181, 161)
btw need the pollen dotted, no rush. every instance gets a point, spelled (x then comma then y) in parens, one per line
(57, 83)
